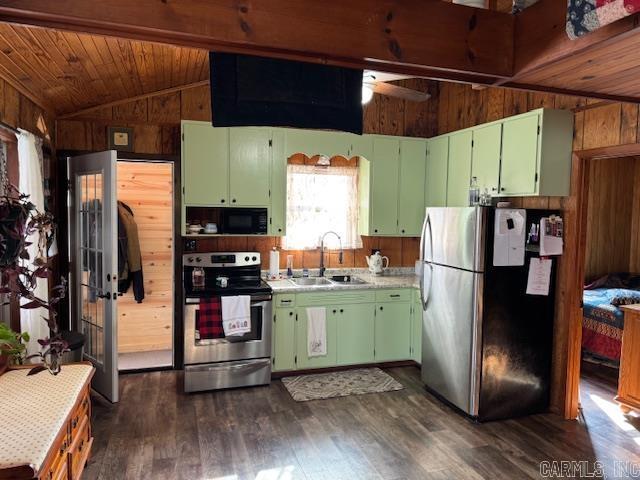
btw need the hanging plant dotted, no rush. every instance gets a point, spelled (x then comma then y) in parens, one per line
(19, 273)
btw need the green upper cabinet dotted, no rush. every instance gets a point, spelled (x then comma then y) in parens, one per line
(486, 157)
(384, 186)
(316, 142)
(284, 324)
(360, 145)
(355, 333)
(536, 153)
(278, 212)
(518, 171)
(304, 360)
(205, 164)
(459, 169)
(413, 152)
(392, 331)
(249, 166)
(436, 172)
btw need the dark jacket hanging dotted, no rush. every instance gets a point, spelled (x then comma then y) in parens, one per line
(129, 257)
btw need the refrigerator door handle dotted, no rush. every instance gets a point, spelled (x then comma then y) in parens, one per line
(424, 229)
(424, 289)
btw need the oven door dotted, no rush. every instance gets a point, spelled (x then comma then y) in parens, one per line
(255, 344)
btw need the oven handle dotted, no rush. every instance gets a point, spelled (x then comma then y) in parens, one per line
(254, 300)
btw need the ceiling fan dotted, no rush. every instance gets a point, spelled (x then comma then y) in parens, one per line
(376, 82)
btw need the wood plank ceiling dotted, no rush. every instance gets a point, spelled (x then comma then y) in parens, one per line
(71, 71)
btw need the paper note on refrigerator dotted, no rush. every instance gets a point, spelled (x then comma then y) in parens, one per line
(539, 276)
(509, 233)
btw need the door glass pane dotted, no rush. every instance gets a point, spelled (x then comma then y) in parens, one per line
(92, 306)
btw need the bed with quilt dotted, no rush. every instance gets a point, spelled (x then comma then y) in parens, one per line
(603, 320)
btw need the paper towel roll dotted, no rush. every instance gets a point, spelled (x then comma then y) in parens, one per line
(274, 263)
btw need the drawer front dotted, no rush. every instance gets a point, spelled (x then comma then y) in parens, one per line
(285, 300)
(80, 448)
(81, 411)
(335, 298)
(395, 295)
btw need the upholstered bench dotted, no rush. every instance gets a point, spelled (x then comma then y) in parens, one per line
(46, 423)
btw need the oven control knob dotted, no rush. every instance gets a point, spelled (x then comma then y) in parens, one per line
(246, 259)
(198, 259)
(254, 258)
(190, 259)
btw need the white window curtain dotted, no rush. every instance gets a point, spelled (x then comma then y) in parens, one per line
(320, 199)
(30, 171)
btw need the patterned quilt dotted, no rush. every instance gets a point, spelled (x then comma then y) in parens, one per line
(584, 16)
(602, 324)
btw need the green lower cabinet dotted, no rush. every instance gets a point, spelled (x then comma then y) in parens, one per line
(416, 330)
(284, 339)
(392, 331)
(303, 359)
(355, 333)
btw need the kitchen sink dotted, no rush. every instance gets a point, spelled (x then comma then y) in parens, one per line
(306, 281)
(347, 280)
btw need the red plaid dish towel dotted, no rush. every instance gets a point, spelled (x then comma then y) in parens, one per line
(209, 320)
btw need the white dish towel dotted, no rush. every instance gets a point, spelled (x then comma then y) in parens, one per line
(316, 331)
(236, 315)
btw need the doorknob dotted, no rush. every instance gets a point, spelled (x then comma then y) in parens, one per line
(104, 295)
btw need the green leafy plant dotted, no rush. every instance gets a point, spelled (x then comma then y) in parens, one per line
(19, 273)
(12, 344)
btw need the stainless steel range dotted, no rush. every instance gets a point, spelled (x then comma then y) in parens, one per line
(233, 361)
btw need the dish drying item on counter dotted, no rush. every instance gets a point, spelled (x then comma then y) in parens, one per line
(289, 266)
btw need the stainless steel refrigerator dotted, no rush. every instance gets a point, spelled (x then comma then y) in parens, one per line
(486, 344)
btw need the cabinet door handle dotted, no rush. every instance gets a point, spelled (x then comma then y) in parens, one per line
(233, 200)
(502, 189)
(494, 189)
(290, 314)
(395, 295)
(279, 229)
(341, 310)
(376, 230)
(380, 308)
(334, 311)
(222, 201)
(403, 230)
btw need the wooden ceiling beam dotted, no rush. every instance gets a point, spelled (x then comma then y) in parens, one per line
(398, 35)
(144, 96)
(541, 39)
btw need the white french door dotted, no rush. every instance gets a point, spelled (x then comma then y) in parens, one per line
(93, 230)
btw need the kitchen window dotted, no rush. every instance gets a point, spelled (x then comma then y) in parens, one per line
(319, 199)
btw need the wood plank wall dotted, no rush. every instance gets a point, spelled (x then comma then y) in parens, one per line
(596, 124)
(147, 188)
(18, 111)
(613, 194)
(155, 122)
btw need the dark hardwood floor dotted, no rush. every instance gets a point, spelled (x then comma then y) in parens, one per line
(158, 432)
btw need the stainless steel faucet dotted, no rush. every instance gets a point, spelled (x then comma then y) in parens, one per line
(340, 255)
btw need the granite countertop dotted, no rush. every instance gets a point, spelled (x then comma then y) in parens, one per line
(396, 278)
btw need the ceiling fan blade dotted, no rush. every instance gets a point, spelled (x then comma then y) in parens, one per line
(400, 92)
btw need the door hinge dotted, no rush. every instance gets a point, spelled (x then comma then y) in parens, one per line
(538, 129)
(270, 221)
(273, 361)
(183, 190)
(69, 185)
(536, 177)
(182, 136)
(274, 318)
(270, 142)
(295, 359)
(472, 143)
(269, 193)
(296, 317)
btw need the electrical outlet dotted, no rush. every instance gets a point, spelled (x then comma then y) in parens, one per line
(190, 245)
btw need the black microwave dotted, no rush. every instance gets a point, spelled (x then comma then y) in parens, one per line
(244, 221)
